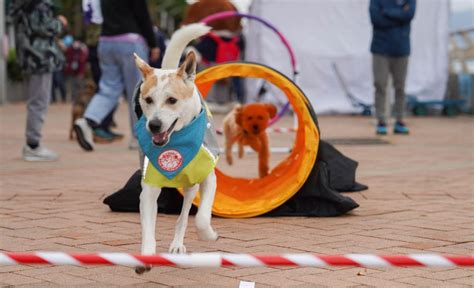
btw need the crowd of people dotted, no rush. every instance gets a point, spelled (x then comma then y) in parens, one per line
(55, 60)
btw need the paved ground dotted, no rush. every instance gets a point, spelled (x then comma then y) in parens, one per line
(420, 200)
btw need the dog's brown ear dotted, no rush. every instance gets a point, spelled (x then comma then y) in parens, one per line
(272, 109)
(239, 116)
(145, 69)
(187, 70)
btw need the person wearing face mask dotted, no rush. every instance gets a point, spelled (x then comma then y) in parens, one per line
(74, 70)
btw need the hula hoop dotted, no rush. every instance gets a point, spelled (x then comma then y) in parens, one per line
(226, 14)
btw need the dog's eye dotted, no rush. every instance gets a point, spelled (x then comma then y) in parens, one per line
(148, 100)
(250, 118)
(171, 100)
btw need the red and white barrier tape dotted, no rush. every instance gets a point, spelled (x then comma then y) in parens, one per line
(237, 260)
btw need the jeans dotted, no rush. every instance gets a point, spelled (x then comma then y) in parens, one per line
(39, 94)
(382, 67)
(119, 73)
(58, 82)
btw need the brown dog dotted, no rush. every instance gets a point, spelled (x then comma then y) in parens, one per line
(247, 125)
(80, 104)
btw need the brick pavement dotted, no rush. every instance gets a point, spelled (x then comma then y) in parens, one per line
(420, 200)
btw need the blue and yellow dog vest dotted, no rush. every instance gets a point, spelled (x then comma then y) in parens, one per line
(189, 156)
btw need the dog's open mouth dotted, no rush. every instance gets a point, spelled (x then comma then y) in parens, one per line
(160, 139)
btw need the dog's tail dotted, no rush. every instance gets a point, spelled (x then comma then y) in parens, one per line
(179, 41)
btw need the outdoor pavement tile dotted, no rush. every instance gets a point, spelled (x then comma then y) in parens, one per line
(377, 282)
(426, 282)
(274, 280)
(16, 279)
(40, 270)
(396, 273)
(326, 280)
(13, 268)
(64, 279)
(416, 203)
(240, 272)
(448, 275)
(465, 281)
(205, 277)
(114, 279)
(167, 280)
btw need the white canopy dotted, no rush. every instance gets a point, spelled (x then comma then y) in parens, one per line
(324, 32)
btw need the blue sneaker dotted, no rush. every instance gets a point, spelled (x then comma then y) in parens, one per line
(400, 128)
(102, 136)
(381, 129)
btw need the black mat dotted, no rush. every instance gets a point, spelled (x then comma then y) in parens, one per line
(320, 196)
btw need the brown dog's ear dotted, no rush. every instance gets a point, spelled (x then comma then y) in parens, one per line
(272, 109)
(239, 116)
(187, 70)
(144, 68)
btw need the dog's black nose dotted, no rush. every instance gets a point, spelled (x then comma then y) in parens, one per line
(155, 125)
(255, 127)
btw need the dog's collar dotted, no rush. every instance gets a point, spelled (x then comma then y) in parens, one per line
(181, 148)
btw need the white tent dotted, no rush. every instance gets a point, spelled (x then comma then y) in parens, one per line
(324, 32)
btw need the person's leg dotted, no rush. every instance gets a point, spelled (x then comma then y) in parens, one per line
(380, 68)
(66, 83)
(39, 94)
(110, 85)
(54, 84)
(131, 76)
(61, 85)
(398, 68)
(237, 83)
(75, 87)
(94, 64)
(104, 101)
(380, 71)
(107, 122)
(39, 91)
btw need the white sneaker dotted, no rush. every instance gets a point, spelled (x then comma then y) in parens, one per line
(84, 134)
(39, 154)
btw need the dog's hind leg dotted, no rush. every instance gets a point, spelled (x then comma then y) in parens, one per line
(229, 142)
(148, 210)
(203, 217)
(241, 150)
(177, 246)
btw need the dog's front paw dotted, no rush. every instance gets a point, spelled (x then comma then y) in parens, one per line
(142, 269)
(229, 159)
(148, 247)
(177, 248)
(208, 234)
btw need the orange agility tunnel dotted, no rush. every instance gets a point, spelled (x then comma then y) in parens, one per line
(239, 197)
(306, 183)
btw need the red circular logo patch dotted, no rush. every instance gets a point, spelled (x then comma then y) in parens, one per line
(170, 160)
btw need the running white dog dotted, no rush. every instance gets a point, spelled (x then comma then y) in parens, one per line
(171, 104)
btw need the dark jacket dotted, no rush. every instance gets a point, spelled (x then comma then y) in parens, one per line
(36, 29)
(127, 16)
(391, 26)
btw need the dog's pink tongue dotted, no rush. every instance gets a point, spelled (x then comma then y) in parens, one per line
(160, 137)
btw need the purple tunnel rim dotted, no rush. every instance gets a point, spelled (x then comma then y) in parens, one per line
(226, 14)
